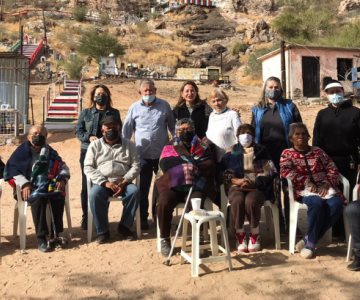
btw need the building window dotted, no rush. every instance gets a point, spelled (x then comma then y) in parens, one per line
(344, 66)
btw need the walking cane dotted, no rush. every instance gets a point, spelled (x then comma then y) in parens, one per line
(167, 260)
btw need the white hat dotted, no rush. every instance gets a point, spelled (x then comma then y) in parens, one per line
(333, 84)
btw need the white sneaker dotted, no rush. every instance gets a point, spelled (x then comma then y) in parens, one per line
(300, 245)
(242, 244)
(306, 253)
(254, 243)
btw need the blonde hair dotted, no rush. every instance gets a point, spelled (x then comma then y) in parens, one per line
(219, 93)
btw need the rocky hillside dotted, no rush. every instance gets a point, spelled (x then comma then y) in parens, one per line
(187, 35)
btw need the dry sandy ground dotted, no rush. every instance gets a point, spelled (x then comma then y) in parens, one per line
(134, 270)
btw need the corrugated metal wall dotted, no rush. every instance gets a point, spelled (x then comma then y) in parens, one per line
(14, 82)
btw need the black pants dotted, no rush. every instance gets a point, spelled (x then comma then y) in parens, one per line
(352, 213)
(84, 191)
(38, 210)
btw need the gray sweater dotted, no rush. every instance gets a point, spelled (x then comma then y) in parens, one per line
(111, 163)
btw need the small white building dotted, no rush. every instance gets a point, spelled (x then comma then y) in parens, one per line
(107, 66)
(305, 67)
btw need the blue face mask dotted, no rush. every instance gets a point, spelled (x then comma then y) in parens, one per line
(272, 94)
(336, 98)
(148, 98)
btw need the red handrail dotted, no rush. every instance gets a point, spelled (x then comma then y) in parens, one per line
(37, 51)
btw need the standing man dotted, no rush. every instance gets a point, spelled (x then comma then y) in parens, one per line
(149, 118)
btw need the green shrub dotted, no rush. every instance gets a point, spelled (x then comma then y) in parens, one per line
(73, 66)
(238, 47)
(104, 18)
(254, 66)
(79, 13)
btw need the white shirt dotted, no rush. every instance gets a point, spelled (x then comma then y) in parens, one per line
(222, 129)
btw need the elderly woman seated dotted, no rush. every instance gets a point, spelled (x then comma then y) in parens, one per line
(248, 174)
(187, 161)
(315, 179)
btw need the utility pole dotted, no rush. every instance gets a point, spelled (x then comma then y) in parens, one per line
(45, 37)
(283, 67)
(2, 10)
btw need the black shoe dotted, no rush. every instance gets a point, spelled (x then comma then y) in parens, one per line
(103, 238)
(144, 225)
(125, 233)
(43, 245)
(355, 265)
(84, 223)
(59, 242)
(165, 247)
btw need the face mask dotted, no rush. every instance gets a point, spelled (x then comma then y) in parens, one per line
(148, 98)
(187, 137)
(101, 99)
(111, 135)
(38, 140)
(336, 98)
(272, 94)
(245, 140)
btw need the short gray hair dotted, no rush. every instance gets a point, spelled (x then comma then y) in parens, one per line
(184, 121)
(295, 126)
(147, 81)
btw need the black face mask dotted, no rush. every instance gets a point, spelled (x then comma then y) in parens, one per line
(101, 99)
(38, 140)
(111, 135)
(187, 137)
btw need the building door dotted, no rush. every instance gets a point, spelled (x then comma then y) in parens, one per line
(311, 76)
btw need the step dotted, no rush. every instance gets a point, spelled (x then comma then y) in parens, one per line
(69, 93)
(62, 112)
(65, 101)
(54, 108)
(59, 104)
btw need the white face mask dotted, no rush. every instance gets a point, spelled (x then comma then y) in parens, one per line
(245, 140)
(148, 98)
(336, 98)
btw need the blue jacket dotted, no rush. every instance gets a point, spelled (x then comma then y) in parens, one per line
(286, 110)
(89, 123)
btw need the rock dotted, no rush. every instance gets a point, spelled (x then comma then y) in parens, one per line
(348, 5)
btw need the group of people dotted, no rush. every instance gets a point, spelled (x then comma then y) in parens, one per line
(203, 144)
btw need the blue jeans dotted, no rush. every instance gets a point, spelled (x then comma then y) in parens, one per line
(148, 166)
(100, 207)
(322, 214)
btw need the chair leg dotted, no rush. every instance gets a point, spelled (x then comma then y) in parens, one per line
(22, 209)
(195, 249)
(349, 249)
(226, 242)
(138, 223)
(89, 223)
(275, 219)
(184, 239)
(68, 215)
(16, 220)
(292, 227)
(158, 239)
(213, 238)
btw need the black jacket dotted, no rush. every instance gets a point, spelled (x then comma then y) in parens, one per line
(337, 132)
(200, 116)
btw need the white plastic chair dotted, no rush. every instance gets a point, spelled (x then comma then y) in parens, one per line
(207, 205)
(90, 219)
(271, 215)
(20, 214)
(355, 197)
(295, 206)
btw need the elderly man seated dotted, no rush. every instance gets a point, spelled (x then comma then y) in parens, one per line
(112, 163)
(185, 162)
(42, 175)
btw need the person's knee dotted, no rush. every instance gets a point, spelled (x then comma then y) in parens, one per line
(313, 202)
(132, 189)
(352, 210)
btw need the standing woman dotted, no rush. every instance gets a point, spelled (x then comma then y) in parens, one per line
(88, 129)
(271, 118)
(337, 132)
(190, 106)
(223, 123)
